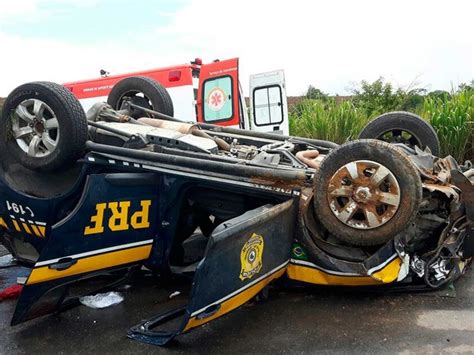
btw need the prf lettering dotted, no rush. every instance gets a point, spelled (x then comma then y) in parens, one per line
(121, 218)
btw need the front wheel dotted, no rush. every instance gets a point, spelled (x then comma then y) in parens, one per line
(366, 192)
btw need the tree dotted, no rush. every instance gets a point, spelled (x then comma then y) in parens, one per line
(439, 94)
(380, 96)
(464, 86)
(315, 94)
(376, 97)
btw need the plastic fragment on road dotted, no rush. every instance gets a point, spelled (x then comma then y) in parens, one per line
(11, 292)
(174, 294)
(6, 261)
(102, 300)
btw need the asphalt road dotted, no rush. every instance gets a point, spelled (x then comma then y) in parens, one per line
(293, 320)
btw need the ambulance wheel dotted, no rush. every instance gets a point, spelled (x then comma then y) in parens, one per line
(141, 91)
(366, 192)
(403, 127)
(43, 126)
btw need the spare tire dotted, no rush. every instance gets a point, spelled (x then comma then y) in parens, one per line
(403, 127)
(144, 92)
(43, 126)
(366, 192)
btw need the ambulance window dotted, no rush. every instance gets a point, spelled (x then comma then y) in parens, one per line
(217, 100)
(267, 105)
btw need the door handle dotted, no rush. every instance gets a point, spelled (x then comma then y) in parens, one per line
(62, 264)
(209, 311)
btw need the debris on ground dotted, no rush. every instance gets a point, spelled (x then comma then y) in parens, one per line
(11, 292)
(174, 294)
(125, 287)
(102, 300)
(7, 261)
(21, 280)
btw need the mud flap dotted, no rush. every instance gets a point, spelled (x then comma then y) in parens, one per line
(243, 255)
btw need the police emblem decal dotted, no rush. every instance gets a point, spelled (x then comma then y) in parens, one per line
(251, 257)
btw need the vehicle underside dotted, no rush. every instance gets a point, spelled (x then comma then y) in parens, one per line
(229, 210)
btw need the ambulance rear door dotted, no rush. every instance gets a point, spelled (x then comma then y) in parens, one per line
(268, 103)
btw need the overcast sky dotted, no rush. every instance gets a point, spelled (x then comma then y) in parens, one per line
(328, 44)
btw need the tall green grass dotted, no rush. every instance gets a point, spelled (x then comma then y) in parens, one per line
(453, 120)
(451, 116)
(327, 120)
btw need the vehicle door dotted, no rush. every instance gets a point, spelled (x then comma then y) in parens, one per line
(243, 255)
(111, 229)
(218, 93)
(268, 103)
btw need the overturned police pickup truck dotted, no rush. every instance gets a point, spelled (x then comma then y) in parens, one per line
(87, 198)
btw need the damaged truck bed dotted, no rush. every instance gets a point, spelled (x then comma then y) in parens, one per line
(87, 201)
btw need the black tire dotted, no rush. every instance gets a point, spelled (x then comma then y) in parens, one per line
(409, 191)
(155, 96)
(421, 132)
(71, 120)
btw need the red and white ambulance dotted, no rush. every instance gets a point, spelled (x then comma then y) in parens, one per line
(208, 93)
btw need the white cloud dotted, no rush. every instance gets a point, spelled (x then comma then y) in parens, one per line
(15, 9)
(329, 43)
(323, 43)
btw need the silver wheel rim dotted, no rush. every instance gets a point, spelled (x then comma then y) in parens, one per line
(363, 194)
(35, 128)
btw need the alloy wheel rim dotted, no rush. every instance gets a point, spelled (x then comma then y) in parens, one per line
(35, 128)
(363, 194)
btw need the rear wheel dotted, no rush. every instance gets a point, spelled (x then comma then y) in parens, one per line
(43, 126)
(403, 127)
(144, 92)
(366, 192)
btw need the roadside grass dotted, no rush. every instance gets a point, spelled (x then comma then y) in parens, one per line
(451, 116)
(453, 120)
(327, 120)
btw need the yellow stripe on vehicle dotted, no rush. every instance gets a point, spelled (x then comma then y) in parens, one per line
(3, 224)
(236, 301)
(390, 272)
(15, 224)
(318, 277)
(36, 231)
(26, 228)
(387, 274)
(91, 263)
(42, 230)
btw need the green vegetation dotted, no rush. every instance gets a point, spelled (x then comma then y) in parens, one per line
(451, 114)
(327, 120)
(453, 120)
(316, 94)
